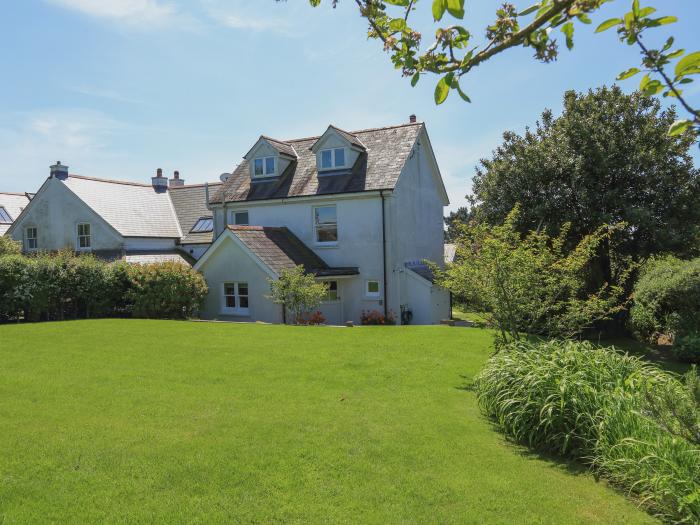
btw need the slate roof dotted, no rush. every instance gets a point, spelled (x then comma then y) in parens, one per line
(282, 147)
(13, 204)
(190, 206)
(351, 138)
(379, 167)
(131, 208)
(137, 210)
(158, 257)
(423, 270)
(281, 250)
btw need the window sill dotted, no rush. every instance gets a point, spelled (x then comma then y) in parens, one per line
(326, 245)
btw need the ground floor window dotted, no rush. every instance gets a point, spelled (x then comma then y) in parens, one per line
(236, 298)
(331, 292)
(372, 289)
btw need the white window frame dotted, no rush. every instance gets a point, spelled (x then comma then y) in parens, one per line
(232, 218)
(27, 238)
(327, 299)
(264, 166)
(238, 310)
(373, 295)
(334, 165)
(78, 236)
(315, 230)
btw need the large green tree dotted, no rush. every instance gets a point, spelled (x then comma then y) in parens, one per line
(607, 159)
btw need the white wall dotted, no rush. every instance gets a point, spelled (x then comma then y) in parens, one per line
(232, 264)
(56, 211)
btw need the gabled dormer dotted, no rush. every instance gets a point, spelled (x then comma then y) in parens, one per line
(268, 158)
(336, 150)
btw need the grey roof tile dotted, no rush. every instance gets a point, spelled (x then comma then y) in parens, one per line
(13, 203)
(190, 206)
(377, 168)
(281, 250)
(133, 209)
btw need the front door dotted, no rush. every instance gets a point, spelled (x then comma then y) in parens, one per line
(332, 306)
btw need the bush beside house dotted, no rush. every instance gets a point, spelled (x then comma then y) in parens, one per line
(62, 286)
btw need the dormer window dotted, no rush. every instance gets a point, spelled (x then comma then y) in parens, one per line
(332, 158)
(264, 166)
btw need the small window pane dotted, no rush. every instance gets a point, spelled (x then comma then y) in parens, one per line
(244, 301)
(373, 287)
(326, 161)
(332, 294)
(269, 165)
(240, 218)
(230, 301)
(326, 215)
(258, 166)
(340, 157)
(205, 224)
(242, 288)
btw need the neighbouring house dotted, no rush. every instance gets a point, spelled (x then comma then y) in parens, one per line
(165, 220)
(361, 210)
(11, 205)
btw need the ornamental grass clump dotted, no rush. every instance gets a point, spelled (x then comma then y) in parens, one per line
(633, 423)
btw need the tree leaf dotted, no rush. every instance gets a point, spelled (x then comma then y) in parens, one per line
(646, 11)
(397, 24)
(456, 8)
(568, 30)
(529, 10)
(415, 79)
(678, 127)
(439, 7)
(442, 89)
(627, 74)
(688, 62)
(612, 22)
(462, 94)
(402, 3)
(665, 20)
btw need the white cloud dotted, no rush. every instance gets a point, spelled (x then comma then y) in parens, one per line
(108, 94)
(137, 12)
(262, 17)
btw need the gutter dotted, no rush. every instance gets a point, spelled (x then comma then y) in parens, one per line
(381, 195)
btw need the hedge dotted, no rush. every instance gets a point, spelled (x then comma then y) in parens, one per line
(63, 285)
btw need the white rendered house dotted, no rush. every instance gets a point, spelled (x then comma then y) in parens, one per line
(361, 210)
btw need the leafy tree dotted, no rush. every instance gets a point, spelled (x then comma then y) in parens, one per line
(532, 284)
(461, 216)
(606, 160)
(455, 52)
(297, 291)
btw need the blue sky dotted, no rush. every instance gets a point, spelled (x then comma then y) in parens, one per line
(118, 88)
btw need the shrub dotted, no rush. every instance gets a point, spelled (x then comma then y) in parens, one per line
(15, 281)
(533, 284)
(166, 290)
(687, 348)
(8, 246)
(373, 317)
(314, 319)
(602, 408)
(667, 298)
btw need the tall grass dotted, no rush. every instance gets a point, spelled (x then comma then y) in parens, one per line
(597, 406)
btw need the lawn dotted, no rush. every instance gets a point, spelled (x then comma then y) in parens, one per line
(157, 421)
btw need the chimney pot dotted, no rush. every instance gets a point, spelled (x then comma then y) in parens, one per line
(159, 172)
(412, 119)
(58, 171)
(176, 181)
(160, 183)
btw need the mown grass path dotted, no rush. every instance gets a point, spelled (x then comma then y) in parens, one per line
(128, 421)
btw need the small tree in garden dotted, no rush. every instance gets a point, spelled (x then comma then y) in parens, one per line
(532, 284)
(297, 291)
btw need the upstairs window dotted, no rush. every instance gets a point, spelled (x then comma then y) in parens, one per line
(4, 216)
(31, 236)
(236, 298)
(84, 241)
(203, 225)
(239, 218)
(332, 158)
(264, 166)
(326, 225)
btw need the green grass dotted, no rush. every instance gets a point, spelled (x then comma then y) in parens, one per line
(157, 421)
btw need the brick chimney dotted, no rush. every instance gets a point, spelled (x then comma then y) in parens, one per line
(159, 182)
(59, 171)
(412, 119)
(176, 181)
